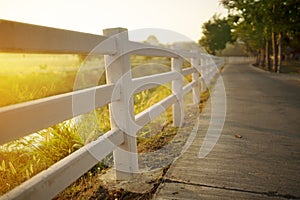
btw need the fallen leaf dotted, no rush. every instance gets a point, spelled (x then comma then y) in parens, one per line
(238, 136)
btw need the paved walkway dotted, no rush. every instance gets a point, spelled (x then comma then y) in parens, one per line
(262, 108)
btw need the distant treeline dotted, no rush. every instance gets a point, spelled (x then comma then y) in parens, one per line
(269, 29)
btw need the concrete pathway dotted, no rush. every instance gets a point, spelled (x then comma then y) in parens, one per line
(258, 153)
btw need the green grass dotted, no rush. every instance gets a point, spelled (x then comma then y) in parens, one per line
(27, 77)
(23, 158)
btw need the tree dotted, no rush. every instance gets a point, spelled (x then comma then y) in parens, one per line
(267, 22)
(152, 39)
(216, 33)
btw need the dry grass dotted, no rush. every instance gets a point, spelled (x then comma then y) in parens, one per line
(152, 137)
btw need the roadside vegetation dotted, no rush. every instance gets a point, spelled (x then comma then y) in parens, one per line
(27, 77)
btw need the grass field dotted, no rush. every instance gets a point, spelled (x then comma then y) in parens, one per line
(27, 77)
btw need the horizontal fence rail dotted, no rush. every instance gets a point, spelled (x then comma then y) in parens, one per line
(50, 111)
(42, 113)
(21, 37)
(48, 183)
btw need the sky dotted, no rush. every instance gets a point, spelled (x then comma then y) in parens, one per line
(169, 20)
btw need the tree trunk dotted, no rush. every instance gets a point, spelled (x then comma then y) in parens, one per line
(280, 39)
(275, 52)
(258, 58)
(268, 52)
(262, 57)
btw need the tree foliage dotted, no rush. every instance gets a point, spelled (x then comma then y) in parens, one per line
(261, 24)
(216, 33)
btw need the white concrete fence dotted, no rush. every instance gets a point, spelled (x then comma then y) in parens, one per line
(121, 139)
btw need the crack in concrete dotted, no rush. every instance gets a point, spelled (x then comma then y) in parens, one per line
(268, 193)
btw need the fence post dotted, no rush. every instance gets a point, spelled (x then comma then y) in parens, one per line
(208, 70)
(195, 77)
(178, 112)
(203, 73)
(121, 112)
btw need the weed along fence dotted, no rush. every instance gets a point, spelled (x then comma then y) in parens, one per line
(118, 92)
